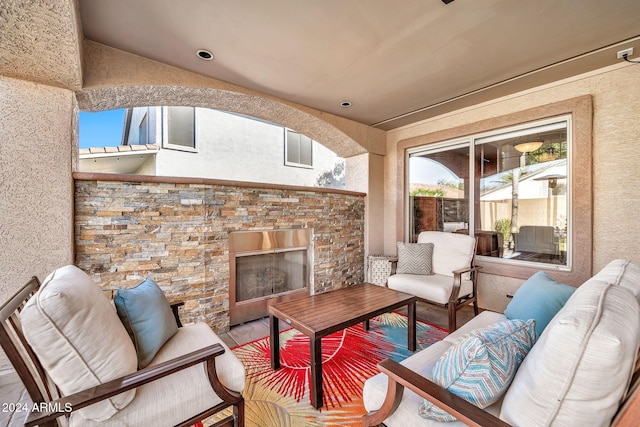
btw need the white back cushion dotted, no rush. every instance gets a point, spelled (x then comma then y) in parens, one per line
(621, 272)
(451, 251)
(75, 332)
(578, 371)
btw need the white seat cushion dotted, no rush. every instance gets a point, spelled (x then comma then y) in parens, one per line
(77, 335)
(179, 396)
(375, 389)
(435, 287)
(578, 371)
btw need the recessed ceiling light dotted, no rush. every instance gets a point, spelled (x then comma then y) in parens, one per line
(204, 54)
(345, 104)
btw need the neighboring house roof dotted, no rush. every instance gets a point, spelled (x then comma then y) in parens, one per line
(123, 159)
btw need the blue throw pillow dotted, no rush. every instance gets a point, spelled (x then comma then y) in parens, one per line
(539, 298)
(147, 317)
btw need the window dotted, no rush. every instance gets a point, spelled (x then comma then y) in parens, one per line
(298, 149)
(508, 187)
(179, 128)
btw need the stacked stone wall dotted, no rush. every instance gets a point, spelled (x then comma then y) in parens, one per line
(177, 234)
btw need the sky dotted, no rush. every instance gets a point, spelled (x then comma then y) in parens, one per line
(427, 171)
(101, 129)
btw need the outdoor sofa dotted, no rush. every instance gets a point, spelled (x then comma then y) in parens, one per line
(578, 372)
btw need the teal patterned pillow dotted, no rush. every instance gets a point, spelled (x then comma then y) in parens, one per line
(482, 365)
(415, 258)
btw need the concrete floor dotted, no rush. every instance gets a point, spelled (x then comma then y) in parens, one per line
(12, 390)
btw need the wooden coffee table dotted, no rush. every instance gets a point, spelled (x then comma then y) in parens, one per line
(320, 315)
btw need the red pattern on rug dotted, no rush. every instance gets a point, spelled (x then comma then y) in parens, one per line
(281, 398)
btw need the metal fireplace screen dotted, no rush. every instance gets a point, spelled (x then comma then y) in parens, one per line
(267, 266)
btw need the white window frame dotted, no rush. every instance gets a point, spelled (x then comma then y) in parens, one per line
(471, 141)
(286, 150)
(165, 132)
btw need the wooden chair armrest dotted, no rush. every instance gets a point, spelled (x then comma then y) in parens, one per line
(109, 389)
(466, 270)
(174, 309)
(447, 401)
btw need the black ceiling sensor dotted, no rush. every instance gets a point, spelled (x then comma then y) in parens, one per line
(446, 1)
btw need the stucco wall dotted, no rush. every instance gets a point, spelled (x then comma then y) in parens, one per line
(616, 127)
(36, 198)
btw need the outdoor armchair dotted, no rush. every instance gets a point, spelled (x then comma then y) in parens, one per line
(449, 278)
(76, 360)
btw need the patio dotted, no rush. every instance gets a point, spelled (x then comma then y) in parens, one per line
(54, 66)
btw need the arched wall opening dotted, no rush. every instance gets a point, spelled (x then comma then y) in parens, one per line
(199, 245)
(108, 98)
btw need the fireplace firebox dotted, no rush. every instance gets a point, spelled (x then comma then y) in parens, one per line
(266, 267)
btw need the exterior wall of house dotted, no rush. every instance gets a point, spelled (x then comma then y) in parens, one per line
(36, 195)
(366, 174)
(232, 147)
(616, 126)
(178, 235)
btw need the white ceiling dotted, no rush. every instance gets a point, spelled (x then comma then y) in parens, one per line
(397, 61)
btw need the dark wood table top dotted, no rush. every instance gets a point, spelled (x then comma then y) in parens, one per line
(322, 314)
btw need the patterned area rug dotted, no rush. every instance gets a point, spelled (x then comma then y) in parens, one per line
(349, 357)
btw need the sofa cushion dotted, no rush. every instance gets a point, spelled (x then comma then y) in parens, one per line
(191, 384)
(621, 272)
(436, 287)
(75, 332)
(540, 298)
(147, 317)
(451, 251)
(579, 369)
(480, 367)
(414, 258)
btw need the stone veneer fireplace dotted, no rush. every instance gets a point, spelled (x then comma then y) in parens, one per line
(266, 267)
(176, 232)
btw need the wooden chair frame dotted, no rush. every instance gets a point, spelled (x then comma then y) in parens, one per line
(42, 390)
(401, 377)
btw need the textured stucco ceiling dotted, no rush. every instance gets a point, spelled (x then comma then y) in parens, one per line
(398, 62)
(390, 58)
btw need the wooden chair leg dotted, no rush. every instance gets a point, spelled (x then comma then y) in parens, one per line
(238, 412)
(452, 317)
(475, 307)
